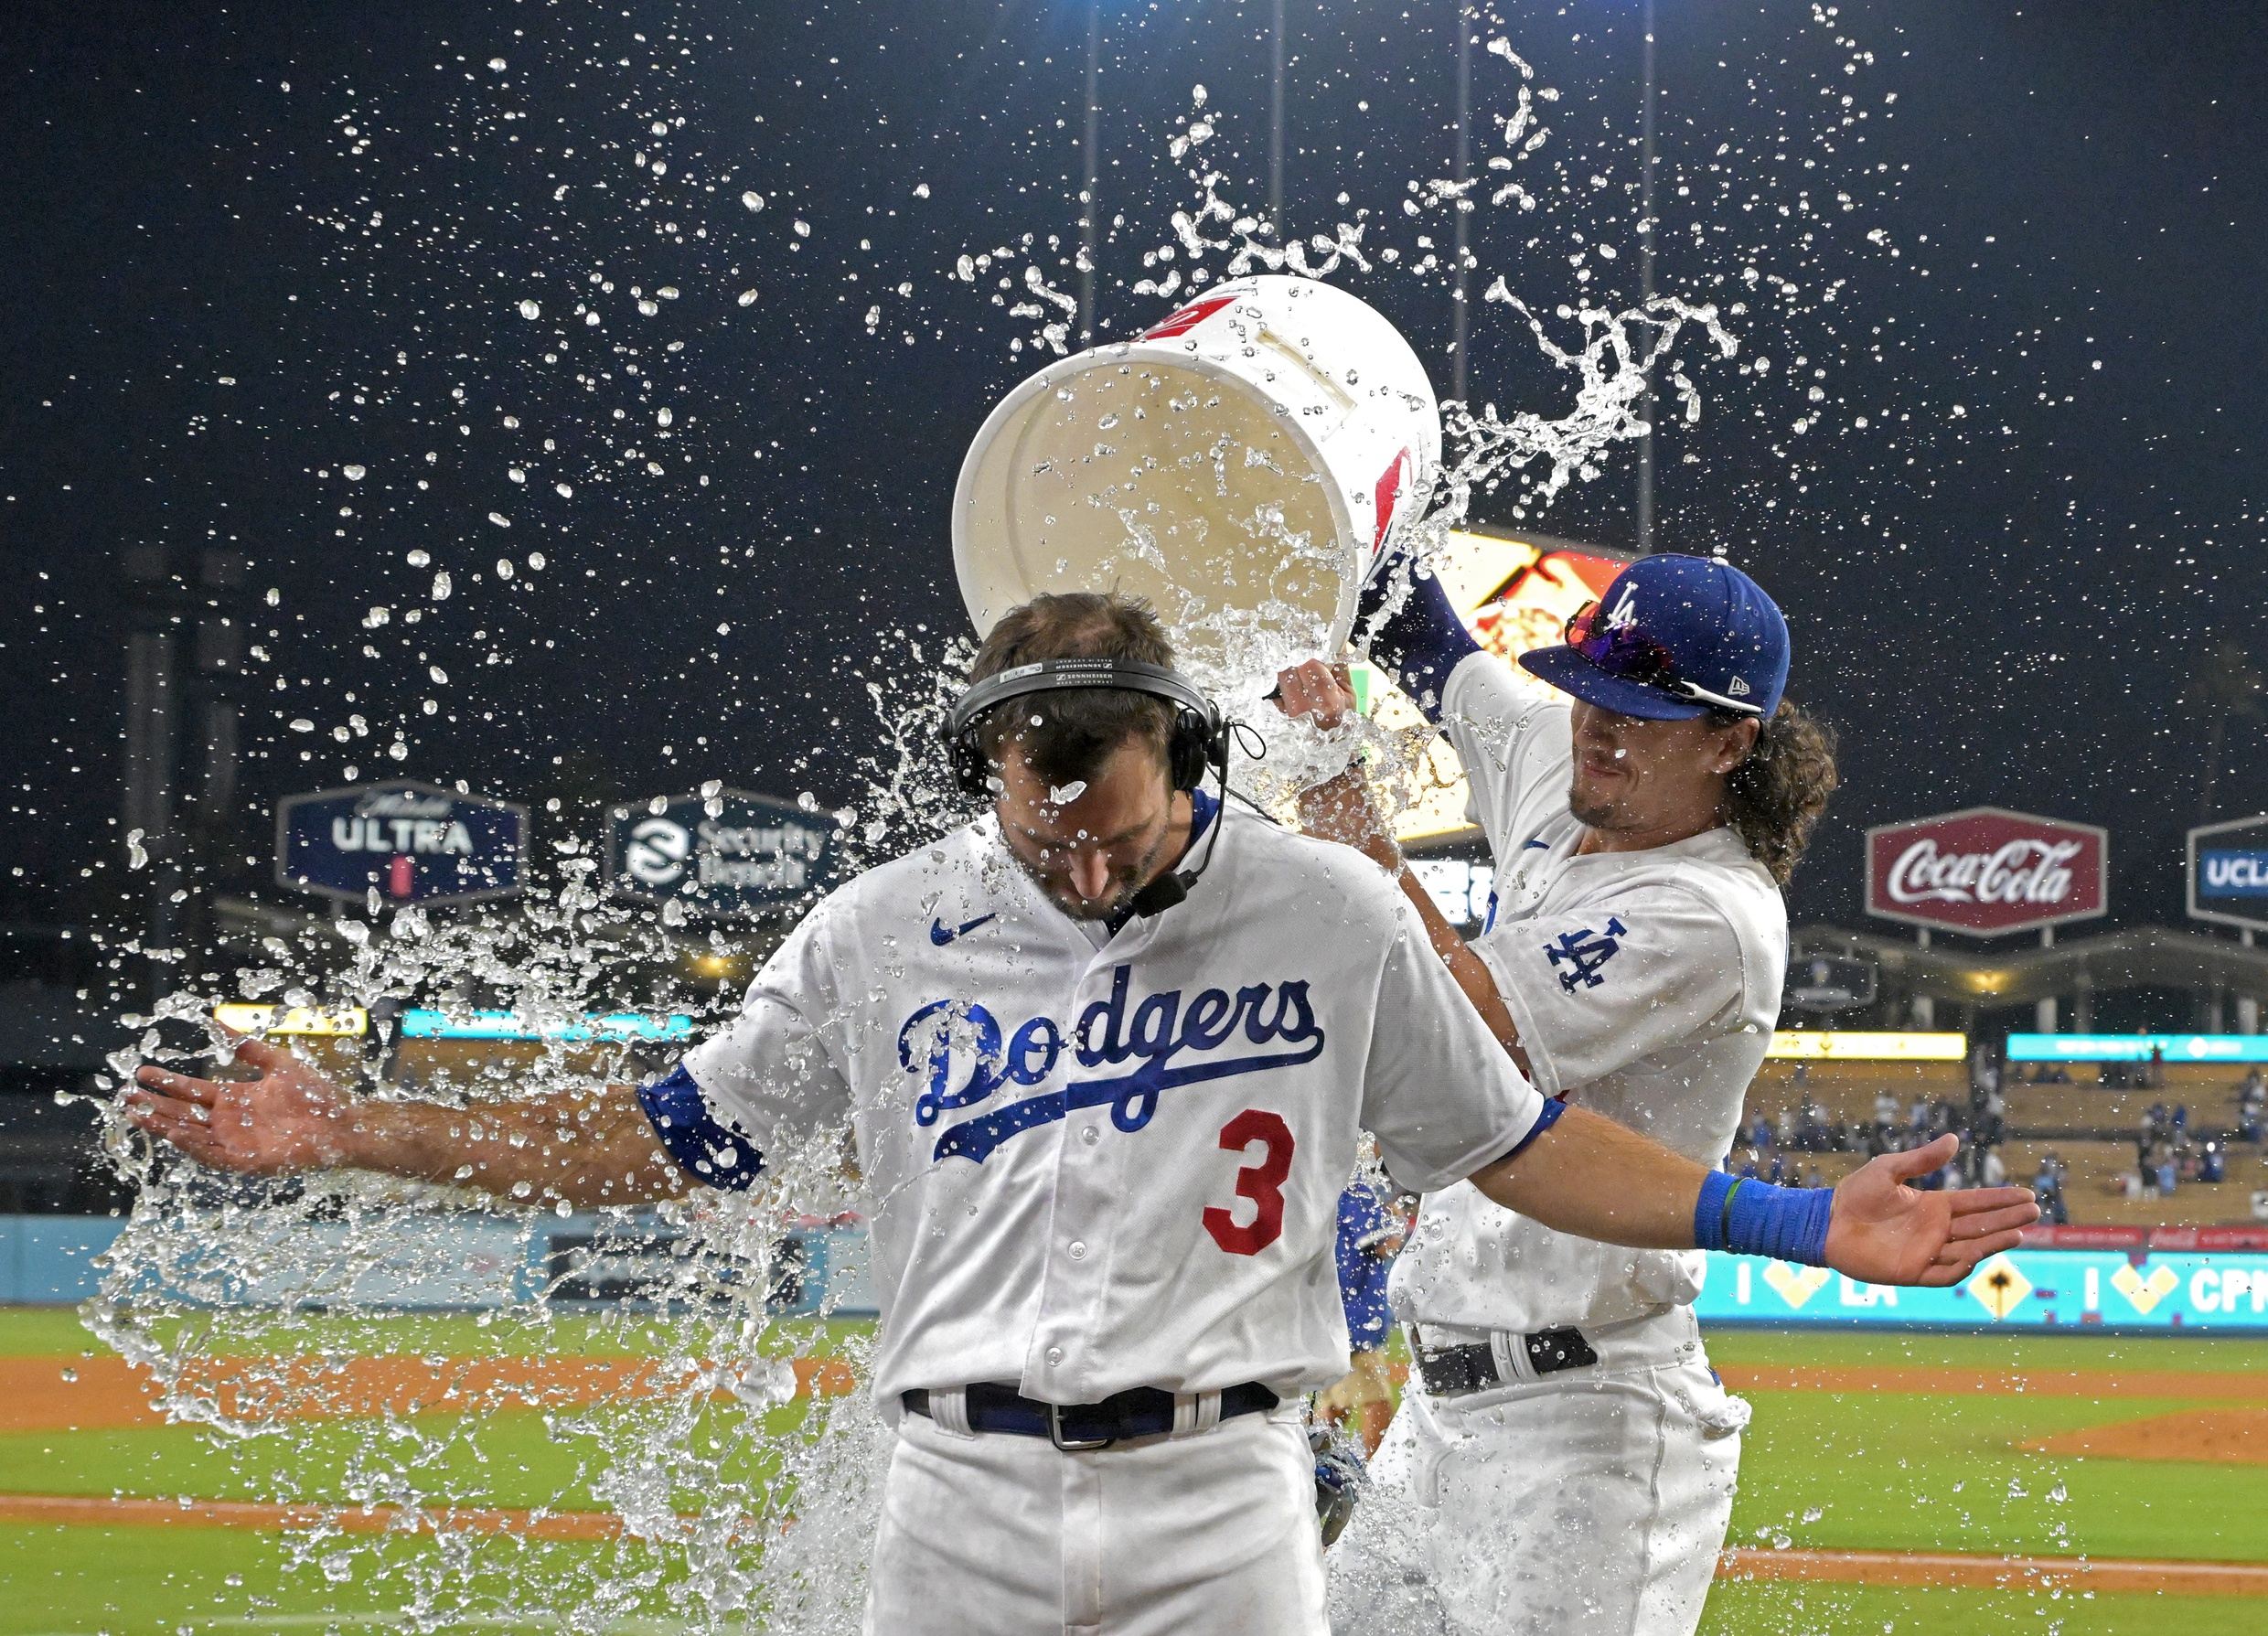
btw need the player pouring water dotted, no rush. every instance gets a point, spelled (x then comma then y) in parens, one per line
(1564, 1462)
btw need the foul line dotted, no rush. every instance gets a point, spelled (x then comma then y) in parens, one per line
(1947, 1570)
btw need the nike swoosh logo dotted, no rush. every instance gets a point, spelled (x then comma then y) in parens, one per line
(940, 934)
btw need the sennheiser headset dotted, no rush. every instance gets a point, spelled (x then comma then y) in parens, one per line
(1198, 742)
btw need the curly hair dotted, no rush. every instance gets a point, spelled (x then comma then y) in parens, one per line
(1776, 796)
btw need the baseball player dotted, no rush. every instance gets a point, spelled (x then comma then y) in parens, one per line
(1570, 1451)
(1106, 1053)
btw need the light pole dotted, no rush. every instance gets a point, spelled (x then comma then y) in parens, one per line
(1089, 195)
(1276, 125)
(1461, 234)
(1646, 289)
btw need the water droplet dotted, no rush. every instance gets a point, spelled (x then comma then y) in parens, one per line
(496, 63)
(755, 201)
(441, 586)
(662, 417)
(564, 491)
(536, 560)
(748, 298)
(420, 557)
(501, 520)
(301, 724)
(355, 474)
(504, 568)
(529, 309)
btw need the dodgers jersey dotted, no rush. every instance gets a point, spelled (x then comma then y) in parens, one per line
(1645, 986)
(1102, 1160)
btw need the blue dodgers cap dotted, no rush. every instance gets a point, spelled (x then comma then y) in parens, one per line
(1673, 638)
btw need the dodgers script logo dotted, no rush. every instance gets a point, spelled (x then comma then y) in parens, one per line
(1173, 1048)
(1586, 951)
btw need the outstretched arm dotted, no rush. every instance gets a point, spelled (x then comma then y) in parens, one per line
(590, 1149)
(1590, 1176)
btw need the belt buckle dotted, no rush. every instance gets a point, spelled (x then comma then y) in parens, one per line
(1076, 1445)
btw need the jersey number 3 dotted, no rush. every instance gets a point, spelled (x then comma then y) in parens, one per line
(1262, 1183)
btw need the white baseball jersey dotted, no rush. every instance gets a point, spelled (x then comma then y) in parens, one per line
(1645, 986)
(1103, 1161)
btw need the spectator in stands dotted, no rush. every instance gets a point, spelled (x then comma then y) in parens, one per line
(2251, 1106)
(1760, 1135)
(1885, 1109)
(1785, 1131)
(1918, 1119)
(2047, 1188)
(1812, 1177)
(2213, 1162)
(1990, 1170)
(2158, 1067)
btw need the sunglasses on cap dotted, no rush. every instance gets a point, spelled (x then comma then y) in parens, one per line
(1629, 654)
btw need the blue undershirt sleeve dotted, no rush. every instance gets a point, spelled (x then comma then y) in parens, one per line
(1422, 643)
(713, 1153)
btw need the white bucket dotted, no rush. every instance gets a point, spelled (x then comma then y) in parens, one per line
(1241, 465)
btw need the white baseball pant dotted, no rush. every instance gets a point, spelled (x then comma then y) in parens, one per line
(999, 1535)
(1590, 1502)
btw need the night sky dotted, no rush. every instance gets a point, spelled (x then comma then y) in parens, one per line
(2033, 268)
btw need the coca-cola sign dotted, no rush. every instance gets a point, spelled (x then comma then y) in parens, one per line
(1986, 870)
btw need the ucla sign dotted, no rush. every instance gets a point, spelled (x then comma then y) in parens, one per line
(2228, 872)
(408, 842)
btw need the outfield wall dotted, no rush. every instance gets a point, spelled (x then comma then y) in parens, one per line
(468, 1261)
(2166, 1281)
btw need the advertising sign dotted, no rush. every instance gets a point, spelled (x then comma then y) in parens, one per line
(1827, 983)
(414, 843)
(1845, 1045)
(2228, 872)
(2137, 1048)
(1987, 871)
(2019, 1289)
(728, 854)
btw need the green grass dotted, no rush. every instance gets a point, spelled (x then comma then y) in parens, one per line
(1885, 1471)
(1781, 1609)
(1903, 1471)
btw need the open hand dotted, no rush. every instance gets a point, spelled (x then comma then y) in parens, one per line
(1883, 1231)
(291, 1118)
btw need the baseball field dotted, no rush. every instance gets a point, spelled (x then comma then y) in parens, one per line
(1892, 1483)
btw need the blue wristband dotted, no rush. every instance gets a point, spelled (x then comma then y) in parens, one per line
(1754, 1218)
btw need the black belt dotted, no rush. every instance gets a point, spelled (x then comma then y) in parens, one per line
(1472, 1367)
(1137, 1412)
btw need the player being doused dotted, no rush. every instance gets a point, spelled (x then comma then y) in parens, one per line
(1106, 1062)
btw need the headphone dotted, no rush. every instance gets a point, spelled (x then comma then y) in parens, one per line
(1198, 742)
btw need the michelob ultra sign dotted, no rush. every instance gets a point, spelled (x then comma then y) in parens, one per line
(408, 842)
(1986, 871)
